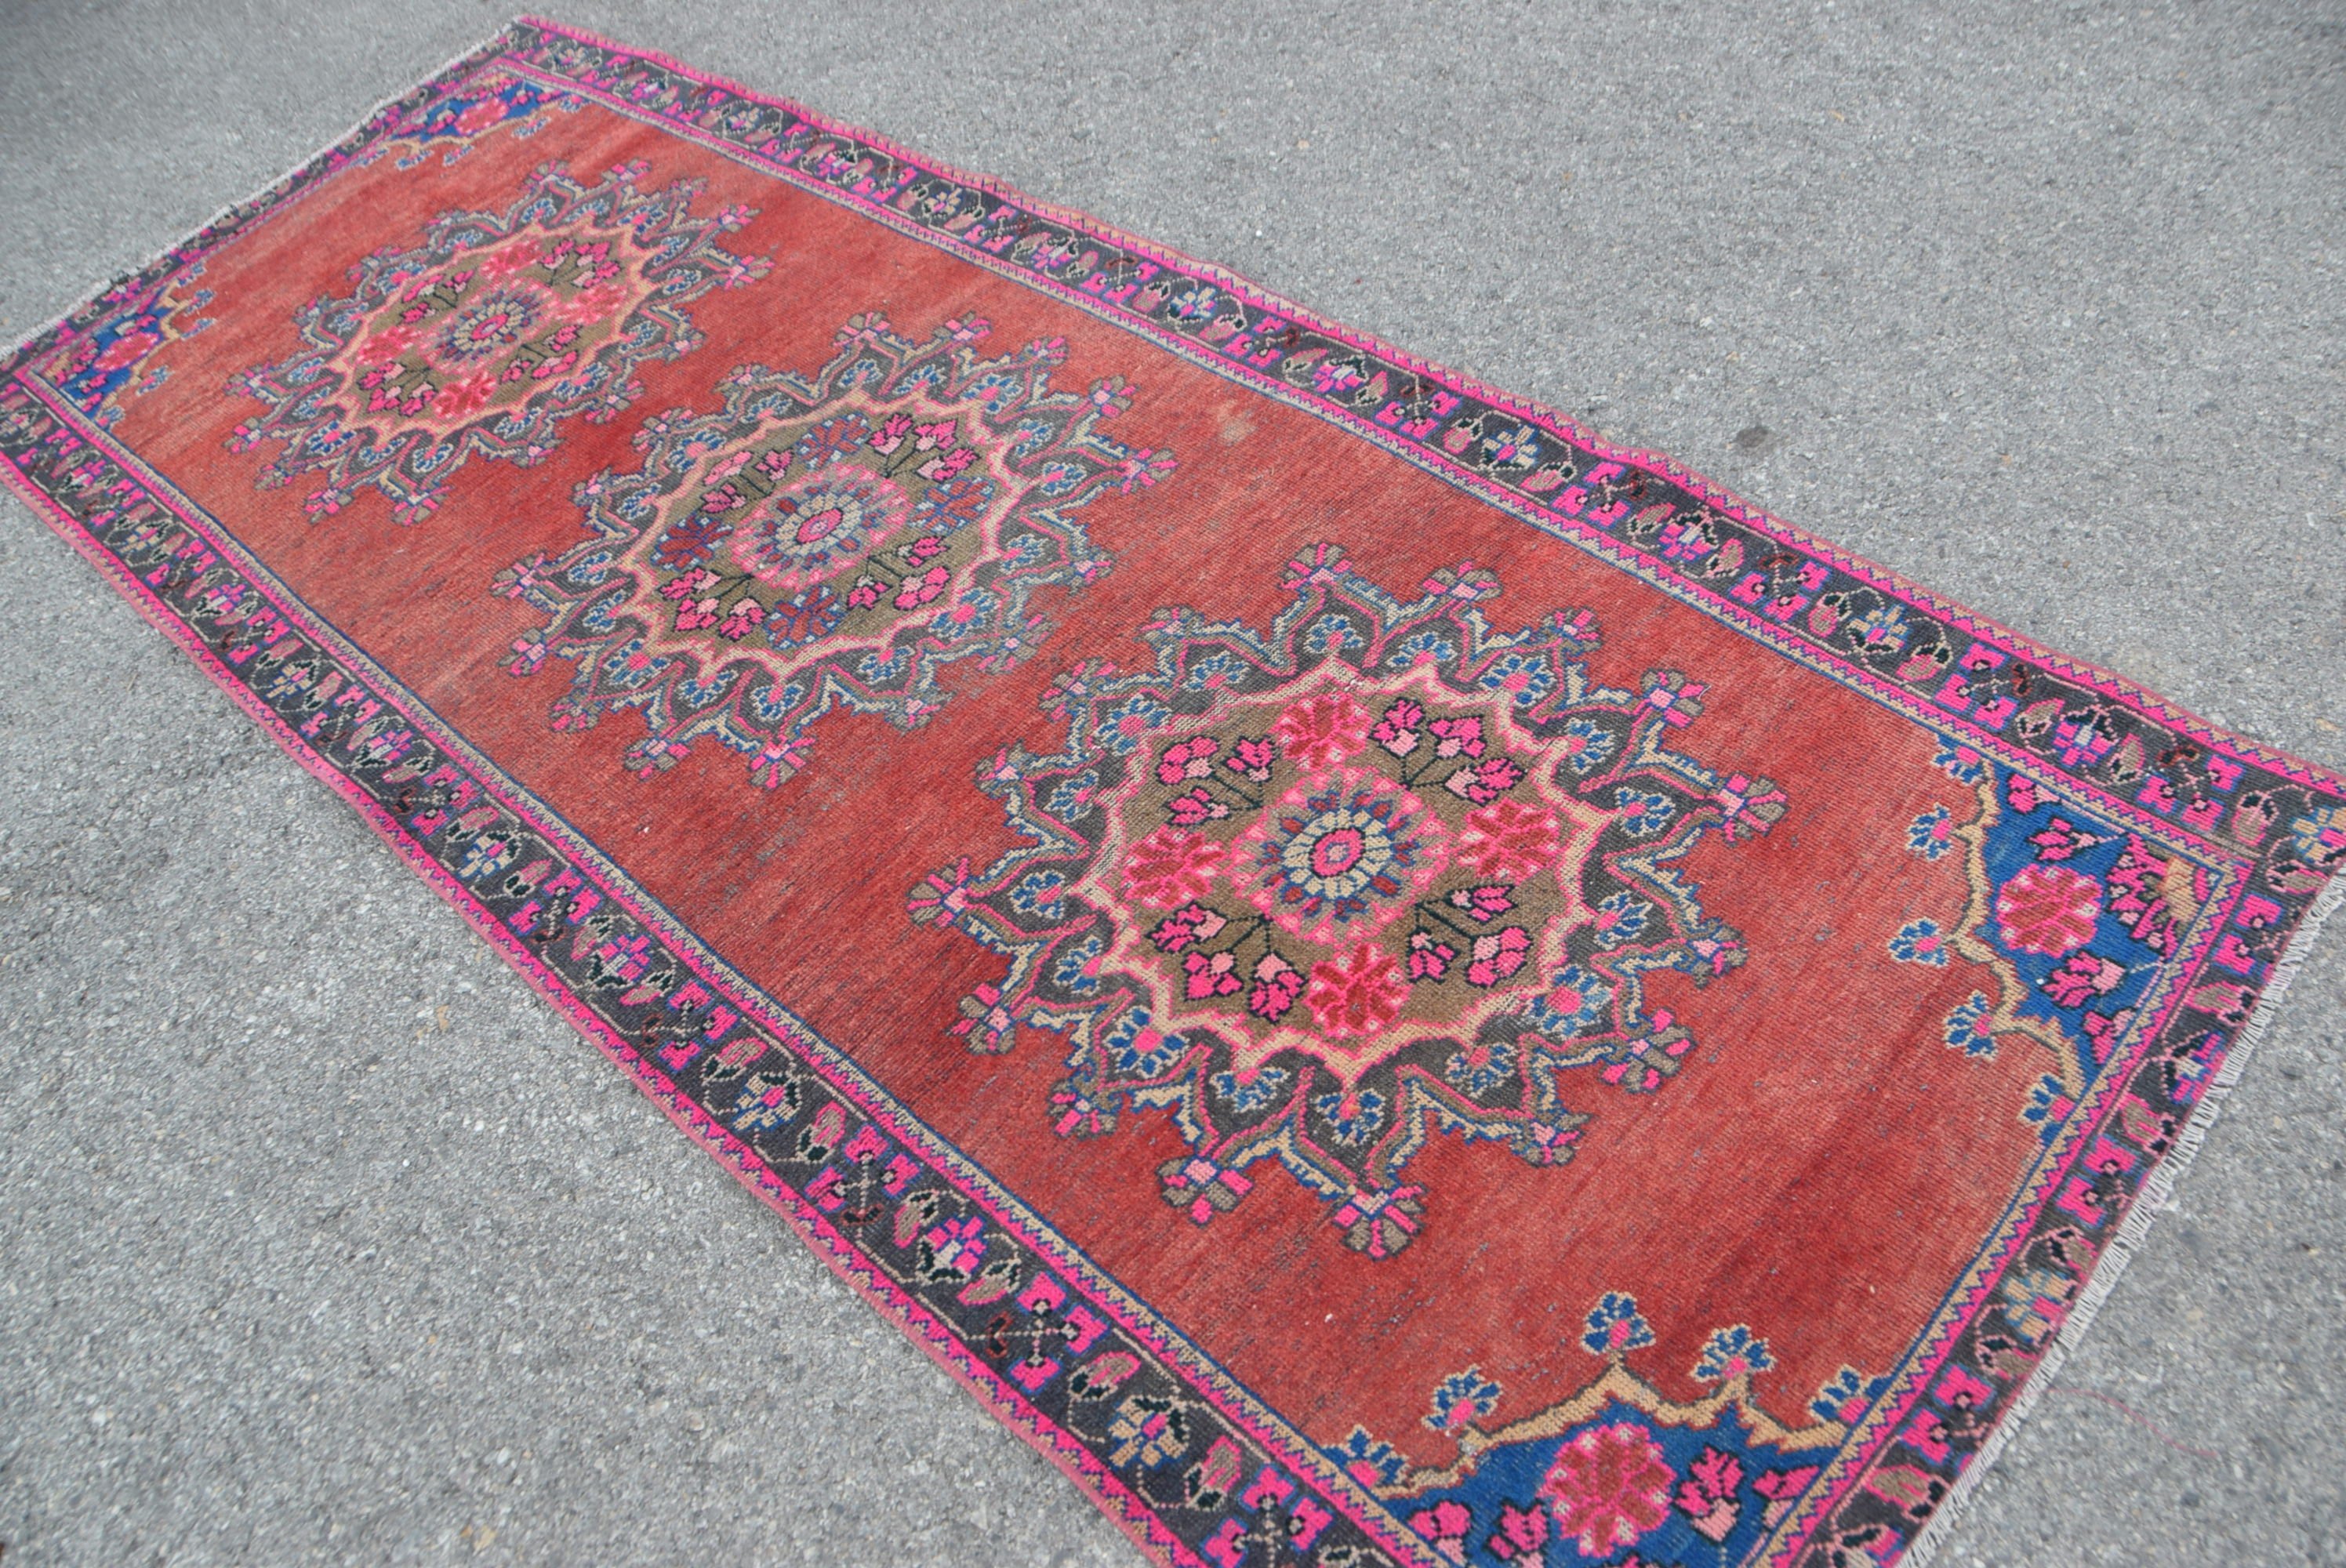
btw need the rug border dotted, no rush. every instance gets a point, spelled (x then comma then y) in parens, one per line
(845, 1259)
(2150, 1201)
(1205, 1374)
(2138, 699)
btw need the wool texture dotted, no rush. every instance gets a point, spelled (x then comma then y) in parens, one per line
(1383, 981)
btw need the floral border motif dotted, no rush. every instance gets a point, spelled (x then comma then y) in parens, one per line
(1696, 1481)
(2273, 826)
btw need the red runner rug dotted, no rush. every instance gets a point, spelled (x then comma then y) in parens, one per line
(1384, 981)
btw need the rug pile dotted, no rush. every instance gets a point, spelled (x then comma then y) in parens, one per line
(1384, 981)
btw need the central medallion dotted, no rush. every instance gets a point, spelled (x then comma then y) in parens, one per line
(1343, 880)
(1317, 890)
(828, 541)
(489, 337)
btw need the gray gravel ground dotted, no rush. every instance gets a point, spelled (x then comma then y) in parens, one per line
(2037, 303)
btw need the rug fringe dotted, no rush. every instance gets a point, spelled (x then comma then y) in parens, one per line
(478, 53)
(2158, 1193)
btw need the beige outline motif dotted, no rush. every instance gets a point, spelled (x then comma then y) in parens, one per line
(1616, 1382)
(2178, 887)
(1979, 908)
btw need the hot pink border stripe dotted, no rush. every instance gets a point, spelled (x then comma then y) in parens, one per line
(1131, 1513)
(2126, 694)
(1205, 1376)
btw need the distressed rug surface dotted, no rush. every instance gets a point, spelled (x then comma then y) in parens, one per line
(1384, 981)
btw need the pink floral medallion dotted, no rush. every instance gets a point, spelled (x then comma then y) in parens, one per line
(826, 542)
(488, 337)
(1380, 870)
(1314, 875)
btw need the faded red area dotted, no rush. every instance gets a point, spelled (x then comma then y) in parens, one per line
(1821, 1170)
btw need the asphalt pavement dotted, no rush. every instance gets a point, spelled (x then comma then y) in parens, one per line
(2039, 304)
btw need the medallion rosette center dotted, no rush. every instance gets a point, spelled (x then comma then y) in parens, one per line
(491, 325)
(846, 525)
(829, 541)
(489, 336)
(1345, 868)
(1318, 890)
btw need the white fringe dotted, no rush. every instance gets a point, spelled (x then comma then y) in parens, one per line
(2149, 1204)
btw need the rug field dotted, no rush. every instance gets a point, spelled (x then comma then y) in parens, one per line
(1383, 981)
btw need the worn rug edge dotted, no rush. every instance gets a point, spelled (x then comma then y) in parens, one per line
(1131, 1516)
(2152, 1200)
(1133, 1519)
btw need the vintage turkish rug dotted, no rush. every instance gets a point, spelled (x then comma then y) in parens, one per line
(1386, 983)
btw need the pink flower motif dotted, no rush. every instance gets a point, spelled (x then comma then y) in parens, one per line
(1708, 1497)
(598, 303)
(1508, 840)
(1189, 924)
(1321, 731)
(1397, 730)
(1445, 1525)
(1429, 959)
(741, 620)
(2061, 840)
(461, 400)
(480, 114)
(1607, 1487)
(1488, 902)
(1169, 867)
(1521, 1534)
(1356, 995)
(1277, 984)
(509, 258)
(127, 349)
(1486, 781)
(1196, 808)
(388, 344)
(2021, 793)
(1497, 955)
(918, 591)
(1252, 759)
(1458, 736)
(2085, 976)
(958, 1243)
(1211, 975)
(690, 584)
(376, 382)
(944, 467)
(1192, 758)
(2048, 909)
